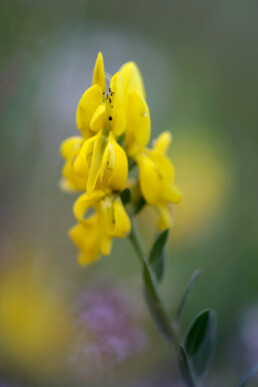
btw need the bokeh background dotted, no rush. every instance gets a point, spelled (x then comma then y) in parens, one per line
(199, 63)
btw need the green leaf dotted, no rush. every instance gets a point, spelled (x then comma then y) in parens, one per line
(126, 196)
(248, 376)
(186, 368)
(157, 255)
(200, 341)
(155, 304)
(190, 285)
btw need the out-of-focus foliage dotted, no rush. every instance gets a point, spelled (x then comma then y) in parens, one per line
(34, 319)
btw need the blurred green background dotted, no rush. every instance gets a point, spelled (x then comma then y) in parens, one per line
(199, 64)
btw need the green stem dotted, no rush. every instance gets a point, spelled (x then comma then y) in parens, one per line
(136, 244)
(141, 255)
(172, 331)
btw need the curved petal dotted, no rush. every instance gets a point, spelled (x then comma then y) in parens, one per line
(138, 126)
(116, 119)
(99, 73)
(164, 165)
(83, 160)
(115, 166)
(71, 181)
(86, 239)
(151, 181)
(172, 194)
(162, 143)
(131, 79)
(96, 162)
(99, 118)
(89, 102)
(121, 226)
(70, 145)
(164, 211)
(84, 203)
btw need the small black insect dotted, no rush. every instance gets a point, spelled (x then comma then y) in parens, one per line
(110, 118)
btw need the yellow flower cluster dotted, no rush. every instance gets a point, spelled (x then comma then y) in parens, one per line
(115, 126)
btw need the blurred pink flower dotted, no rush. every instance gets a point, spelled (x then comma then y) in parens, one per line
(108, 330)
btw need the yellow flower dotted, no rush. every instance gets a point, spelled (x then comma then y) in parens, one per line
(69, 150)
(156, 177)
(94, 233)
(103, 161)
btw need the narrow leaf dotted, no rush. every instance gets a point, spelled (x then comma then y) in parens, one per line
(185, 368)
(155, 304)
(190, 285)
(200, 341)
(248, 376)
(157, 255)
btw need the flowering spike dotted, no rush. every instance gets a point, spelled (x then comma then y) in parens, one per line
(115, 126)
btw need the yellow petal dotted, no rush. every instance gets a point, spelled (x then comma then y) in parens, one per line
(115, 166)
(86, 258)
(84, 203)
(70, 145)
(164, 212)
(99, 118)
(162, 143)
(106, 221)
(131, 79)
(164, 165)
(68, 186)
(83, 160)
(137, 133)
(96, 162)
(86, 239)
(116, 118)
(99, 73)
(172, 193)
(121, 226)
(106, 243)
(151, 181)
(89, 102)
(71, 181)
